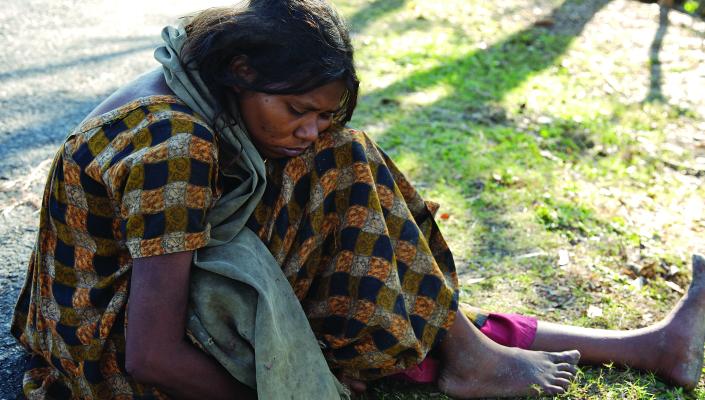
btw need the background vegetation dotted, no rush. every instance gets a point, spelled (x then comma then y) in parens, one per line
(696, 7)
(565, 141)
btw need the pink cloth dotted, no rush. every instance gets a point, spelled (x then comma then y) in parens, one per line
(512, 330)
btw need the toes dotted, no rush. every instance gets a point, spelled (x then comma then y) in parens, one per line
(570, 357)
(571, 368)
(565, 375)
(553, 390)
(564, 383)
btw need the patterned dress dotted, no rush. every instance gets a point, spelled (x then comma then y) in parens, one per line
(356, 242)
(362, 251)
(134, 182)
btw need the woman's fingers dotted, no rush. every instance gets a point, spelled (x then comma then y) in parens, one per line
(355, 385)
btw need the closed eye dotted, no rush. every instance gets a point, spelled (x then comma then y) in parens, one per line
(327, 115)
(295, 112)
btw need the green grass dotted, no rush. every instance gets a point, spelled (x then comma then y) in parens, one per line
(535, 140)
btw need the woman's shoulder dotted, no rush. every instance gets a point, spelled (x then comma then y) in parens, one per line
(132, 132)
(144, 100)
(136, 127)
(144, 111)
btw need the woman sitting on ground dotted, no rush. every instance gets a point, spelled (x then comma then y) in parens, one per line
(131, 191)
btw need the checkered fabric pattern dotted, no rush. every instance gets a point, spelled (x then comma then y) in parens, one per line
(362, 252)
(135, 182)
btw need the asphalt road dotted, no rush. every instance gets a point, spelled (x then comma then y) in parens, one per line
(59, 59)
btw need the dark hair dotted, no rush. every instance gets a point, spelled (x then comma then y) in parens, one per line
(293, 46)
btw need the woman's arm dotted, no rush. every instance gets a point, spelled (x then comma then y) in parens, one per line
(157, 352)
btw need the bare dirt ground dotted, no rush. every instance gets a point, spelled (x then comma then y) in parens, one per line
(61, 57)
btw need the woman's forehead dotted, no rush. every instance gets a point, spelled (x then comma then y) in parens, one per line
(323, 98)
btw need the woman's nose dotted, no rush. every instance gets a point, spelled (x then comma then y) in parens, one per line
(308, 130)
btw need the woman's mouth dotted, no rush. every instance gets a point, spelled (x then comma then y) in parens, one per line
(291, 151)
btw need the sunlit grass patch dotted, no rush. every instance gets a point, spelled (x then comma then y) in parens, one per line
(562, 186)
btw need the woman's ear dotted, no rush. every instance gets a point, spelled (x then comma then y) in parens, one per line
(240, 67)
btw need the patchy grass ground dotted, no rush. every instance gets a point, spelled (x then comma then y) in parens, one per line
(566, 144)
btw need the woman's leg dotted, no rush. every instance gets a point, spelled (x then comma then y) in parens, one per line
(671, 348)
(475, 366)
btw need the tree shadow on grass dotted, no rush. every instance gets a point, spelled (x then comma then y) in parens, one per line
(368, 14)
(477, 80)
(656, 80)
(503, 66)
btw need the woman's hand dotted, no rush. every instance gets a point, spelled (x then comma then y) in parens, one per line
(353, 384)
(156, 351)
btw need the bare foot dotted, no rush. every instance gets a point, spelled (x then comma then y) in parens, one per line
(474, 366)
(511, 372)
(681, 335)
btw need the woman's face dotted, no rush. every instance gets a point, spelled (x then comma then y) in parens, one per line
(285, 125)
